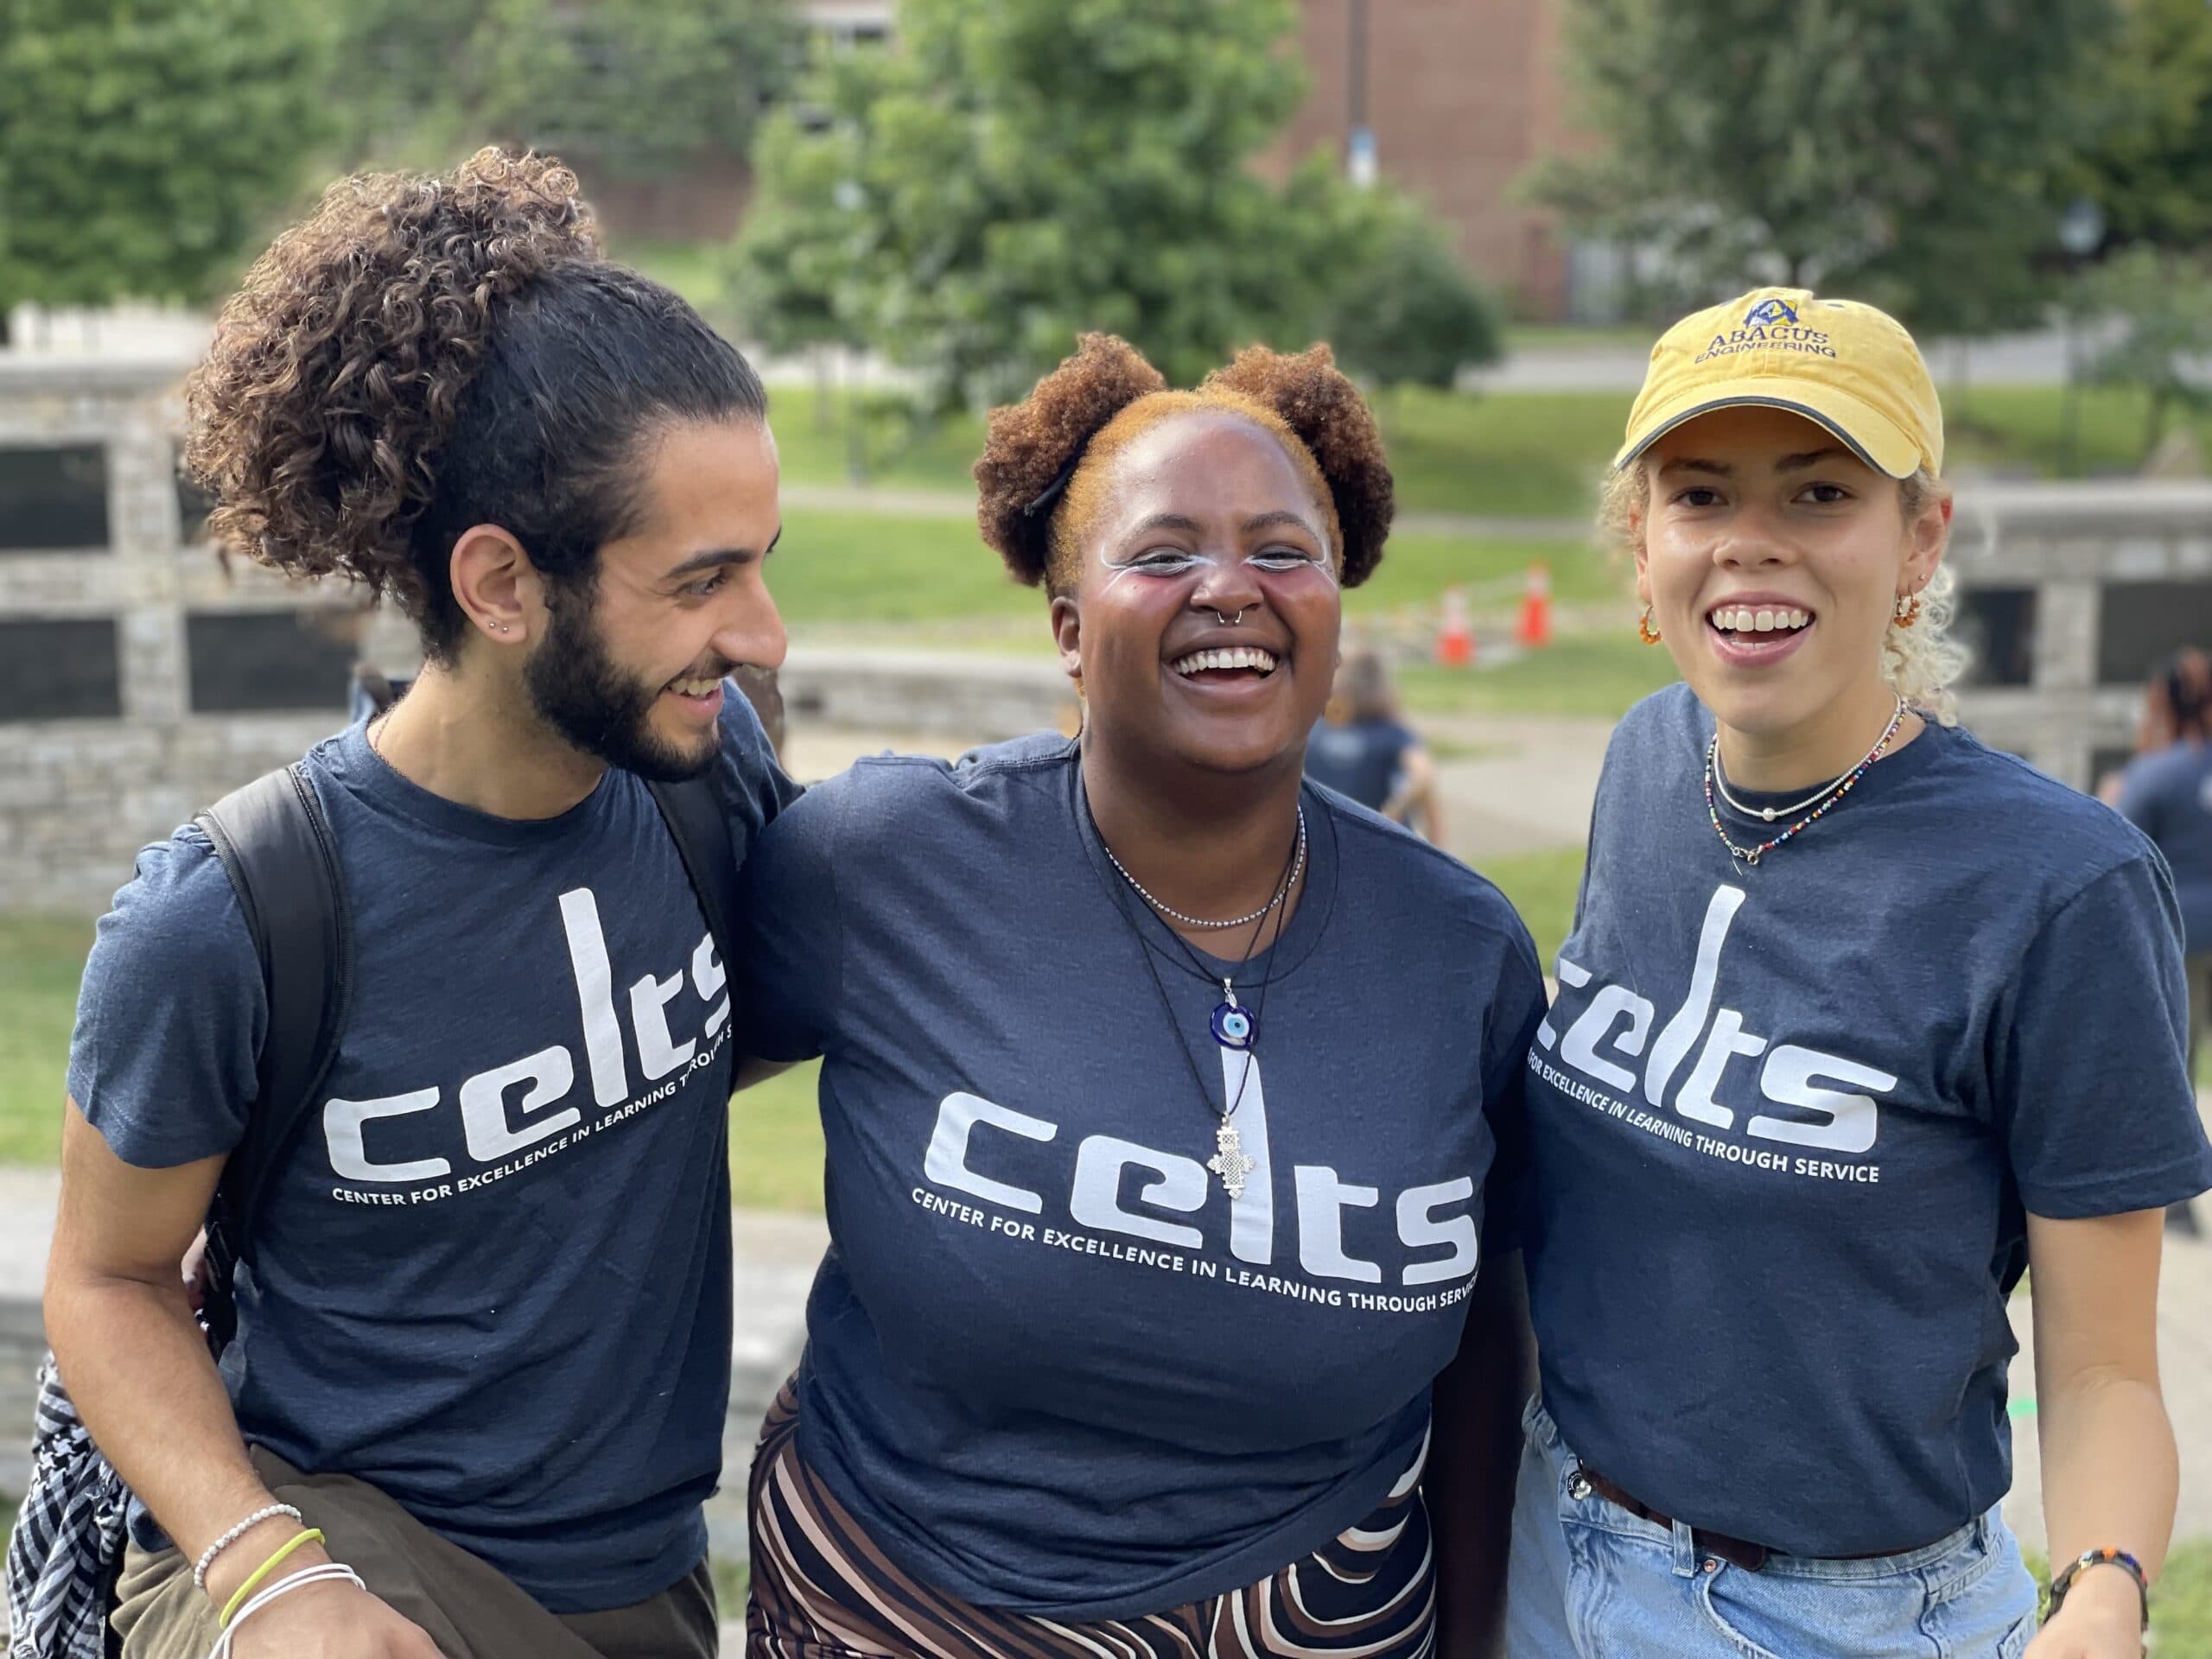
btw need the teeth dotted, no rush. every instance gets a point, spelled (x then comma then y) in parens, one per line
(1237, 656)
(1742, 618)
(693, 688)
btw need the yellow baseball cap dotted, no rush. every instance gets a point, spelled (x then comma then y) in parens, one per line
(1850, 367)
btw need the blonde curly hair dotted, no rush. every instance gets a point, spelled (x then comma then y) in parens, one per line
(1922, 662)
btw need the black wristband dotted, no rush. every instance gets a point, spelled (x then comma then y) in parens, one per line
(2088, 1558)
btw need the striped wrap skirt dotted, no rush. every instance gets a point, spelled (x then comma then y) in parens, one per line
(821, 1589)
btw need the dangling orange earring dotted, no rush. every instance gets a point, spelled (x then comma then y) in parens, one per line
(1907, 610)
(1644, 631)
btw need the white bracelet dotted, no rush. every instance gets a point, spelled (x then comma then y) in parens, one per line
(207, 1556)
(323, 1572)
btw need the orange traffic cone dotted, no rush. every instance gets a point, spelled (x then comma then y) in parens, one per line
(1455, 635)
(1536, 628)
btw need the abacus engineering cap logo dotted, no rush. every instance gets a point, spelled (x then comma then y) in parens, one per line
(1769, 311)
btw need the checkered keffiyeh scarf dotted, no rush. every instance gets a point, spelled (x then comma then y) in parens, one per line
(68, 1544)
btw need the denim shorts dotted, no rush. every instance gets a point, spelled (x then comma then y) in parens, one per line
(1589, 1581)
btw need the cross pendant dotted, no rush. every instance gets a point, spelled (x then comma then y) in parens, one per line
(1228, 1161)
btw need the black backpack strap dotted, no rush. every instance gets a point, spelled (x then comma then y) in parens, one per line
(700, 829)
(275, 846)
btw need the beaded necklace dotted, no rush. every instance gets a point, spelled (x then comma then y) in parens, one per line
(1749, 856)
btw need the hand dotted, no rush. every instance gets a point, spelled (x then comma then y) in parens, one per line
(331, 1620)
(195, 1268)
(2101, 1618)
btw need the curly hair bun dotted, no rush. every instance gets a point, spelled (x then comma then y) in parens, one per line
(1033, 444)
(337, 371)
(1036, 447)
(1318, 402)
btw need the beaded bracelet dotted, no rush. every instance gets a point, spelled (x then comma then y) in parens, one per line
(295, 1541)
(207, 1556)
(2119, 1558)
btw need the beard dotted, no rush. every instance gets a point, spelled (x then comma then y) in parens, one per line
(578, 688)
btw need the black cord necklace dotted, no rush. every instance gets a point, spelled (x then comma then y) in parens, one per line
(1233, 1026)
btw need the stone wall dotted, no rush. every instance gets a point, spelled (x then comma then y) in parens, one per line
(2072, 588)
(78, 797)
(2101, 578)
(983, 699)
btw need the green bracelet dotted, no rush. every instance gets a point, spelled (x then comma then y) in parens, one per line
(312, 1535)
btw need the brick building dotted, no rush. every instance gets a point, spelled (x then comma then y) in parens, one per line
(1459, 98)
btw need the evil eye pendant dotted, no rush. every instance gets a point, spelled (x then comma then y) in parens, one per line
(1232, 1027)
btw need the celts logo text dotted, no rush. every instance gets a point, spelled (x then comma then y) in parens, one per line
(1772, 325)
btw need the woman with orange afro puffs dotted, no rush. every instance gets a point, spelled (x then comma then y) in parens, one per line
(1163, 1093)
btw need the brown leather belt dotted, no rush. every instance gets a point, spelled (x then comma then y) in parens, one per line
(1742, 1552)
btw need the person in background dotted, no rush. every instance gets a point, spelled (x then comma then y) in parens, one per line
(1361, 748)
(373, 693)
(2166, 793)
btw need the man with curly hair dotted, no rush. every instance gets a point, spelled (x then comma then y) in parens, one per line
(476, 1396)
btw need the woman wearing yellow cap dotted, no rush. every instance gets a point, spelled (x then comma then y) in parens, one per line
(1858, 1019)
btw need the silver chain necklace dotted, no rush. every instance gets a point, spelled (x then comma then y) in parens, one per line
(1827, 798)
(1770, 813)
(1234, 1027)
(1817, 796)
(1298, 868)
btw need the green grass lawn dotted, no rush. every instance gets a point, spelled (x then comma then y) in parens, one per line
(775, 1143)
(815, 451)
(2182, 1604)
(41, 958)
(1534, 453)
(1519, 453)
(835, 568)
(1542, 886)
(1599, 675)
(1576, 336)
(838, 568)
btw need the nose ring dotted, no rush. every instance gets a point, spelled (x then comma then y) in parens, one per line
(1235, 621)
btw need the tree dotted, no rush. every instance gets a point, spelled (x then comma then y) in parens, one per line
(790, 281)
(1903, 152)
(2150, 166)
(1406, 312)
(156, 138)
(641, 86)
(1008, 174)
(2163, 302)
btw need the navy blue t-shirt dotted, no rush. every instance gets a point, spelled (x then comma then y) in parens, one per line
(1051, 1365)
(1360, 759)
(1785, 1123)
(492, 1275)
(2168, 796)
